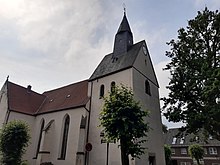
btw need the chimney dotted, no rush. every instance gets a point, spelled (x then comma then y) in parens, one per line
(29, 88)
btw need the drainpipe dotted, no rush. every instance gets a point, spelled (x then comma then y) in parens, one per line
(87, 134)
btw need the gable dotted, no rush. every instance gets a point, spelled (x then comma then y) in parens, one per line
(144, 65)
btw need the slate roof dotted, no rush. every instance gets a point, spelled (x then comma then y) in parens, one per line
(188, 139)
(124, 26)
(110, 65)
(22, 100)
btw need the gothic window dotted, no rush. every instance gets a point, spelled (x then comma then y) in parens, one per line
(112, 86)
(147, 87)
(40, 137)
(64, 137)
(102, 90)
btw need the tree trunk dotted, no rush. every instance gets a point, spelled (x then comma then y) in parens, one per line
(198, 162)
(124, 155)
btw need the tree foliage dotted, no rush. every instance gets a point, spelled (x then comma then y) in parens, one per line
(123, 120)
(196, 152)
(195, 75)
(168, 152)
(14, 137)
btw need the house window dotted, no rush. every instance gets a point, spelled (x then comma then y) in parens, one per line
(213, 150)
(112, 86)
(102, 90)
(147, 87)
(174, 140)
(183, 151)
(40, 137)
(65, 137)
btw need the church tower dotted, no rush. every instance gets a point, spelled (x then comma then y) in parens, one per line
(129, 64)
(123, 38)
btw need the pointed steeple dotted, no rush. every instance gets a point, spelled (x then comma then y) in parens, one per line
(124, 26)
(123, 38)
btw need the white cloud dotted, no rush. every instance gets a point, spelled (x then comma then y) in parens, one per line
(70, 37)
(163, 77)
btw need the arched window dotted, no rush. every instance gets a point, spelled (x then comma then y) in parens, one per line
(64, 137)
(112, 86)
(147, 87)
(102, 91)
(40, 137)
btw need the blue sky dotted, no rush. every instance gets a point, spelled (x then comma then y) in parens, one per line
(52, 43)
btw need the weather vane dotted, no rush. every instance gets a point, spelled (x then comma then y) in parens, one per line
(124, 7)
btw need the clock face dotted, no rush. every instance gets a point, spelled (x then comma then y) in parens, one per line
(144, 50)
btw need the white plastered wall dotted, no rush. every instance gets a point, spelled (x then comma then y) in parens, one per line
(54, 143)
(3, 105)
(98, 155)
(142, 71)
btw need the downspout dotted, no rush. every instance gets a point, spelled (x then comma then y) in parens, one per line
(87, 134)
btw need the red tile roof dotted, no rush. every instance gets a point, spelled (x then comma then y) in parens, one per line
(66, 97)
(29, 102)
(22, 100)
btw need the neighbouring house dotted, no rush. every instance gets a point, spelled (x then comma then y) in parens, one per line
(64, 121)
(179, 146)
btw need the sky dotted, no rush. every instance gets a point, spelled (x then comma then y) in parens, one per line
(52, 43)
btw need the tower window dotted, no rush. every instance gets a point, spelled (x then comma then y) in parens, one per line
(147, 87)
(64, 137)
(112, 86)
(102, 91)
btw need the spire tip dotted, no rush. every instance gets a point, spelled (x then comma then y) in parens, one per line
(124, 8)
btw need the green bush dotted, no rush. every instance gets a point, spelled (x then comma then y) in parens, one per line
(14, 138)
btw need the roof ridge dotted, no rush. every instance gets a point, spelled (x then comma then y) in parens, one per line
(65, 86)
(20, 86)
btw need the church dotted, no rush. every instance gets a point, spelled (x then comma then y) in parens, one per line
(64, 122)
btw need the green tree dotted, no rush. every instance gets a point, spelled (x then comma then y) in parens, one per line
(195, 75)
(196, 152)
(14, 137)
(123, 120)
(168, 152)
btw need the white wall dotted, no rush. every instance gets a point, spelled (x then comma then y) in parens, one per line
(55, 141)
(99, 153)
(142, 71)
(53, 144)
(3, 105)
